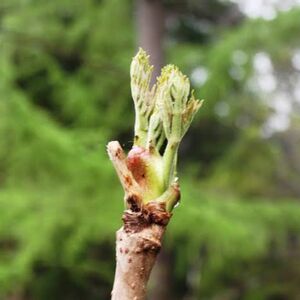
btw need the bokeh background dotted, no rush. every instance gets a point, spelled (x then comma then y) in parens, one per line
(64, 93)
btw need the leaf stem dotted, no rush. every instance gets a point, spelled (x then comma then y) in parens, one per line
(169, 161)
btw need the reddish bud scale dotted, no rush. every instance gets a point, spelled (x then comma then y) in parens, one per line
(143, 165)
(137, 162)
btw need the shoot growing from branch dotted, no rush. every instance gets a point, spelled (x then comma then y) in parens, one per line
(163, 114)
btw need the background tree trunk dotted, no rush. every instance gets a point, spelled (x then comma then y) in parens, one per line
(150, 31)
(161, 277)
(150, 21)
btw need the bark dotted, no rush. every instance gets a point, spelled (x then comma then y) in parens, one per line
(136, 252)
(150, 29)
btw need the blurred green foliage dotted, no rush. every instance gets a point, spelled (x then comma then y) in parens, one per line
(64, 92)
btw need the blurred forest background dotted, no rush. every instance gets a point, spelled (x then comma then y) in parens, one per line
(64, 93)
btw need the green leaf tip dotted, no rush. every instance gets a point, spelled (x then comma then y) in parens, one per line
(169, 98)
(141, 73)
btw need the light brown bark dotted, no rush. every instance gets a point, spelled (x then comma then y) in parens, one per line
(136, 254)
